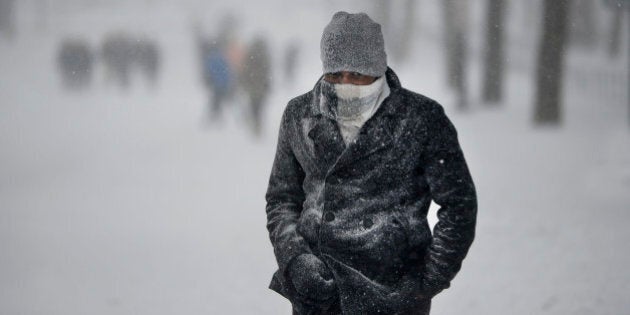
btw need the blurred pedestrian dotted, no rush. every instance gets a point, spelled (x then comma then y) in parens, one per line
(256, 81)
(147, 58)
(75, 62)
(117, 55)
(219, 78)
(358, 162)
(230, 44)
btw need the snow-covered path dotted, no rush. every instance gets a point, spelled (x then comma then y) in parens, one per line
(130, 203)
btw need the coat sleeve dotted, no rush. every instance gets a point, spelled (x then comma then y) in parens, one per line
(284, 201)
(453, 190)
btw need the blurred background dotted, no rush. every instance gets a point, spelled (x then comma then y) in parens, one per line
(136, 141)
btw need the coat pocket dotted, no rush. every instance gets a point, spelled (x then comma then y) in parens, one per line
(361, 295)
(384, 247)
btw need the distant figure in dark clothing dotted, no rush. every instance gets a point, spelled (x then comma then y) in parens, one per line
(75, 61)
(147, 58)
(124, 55)
(117, 55)
(256, 81)
(359, 161)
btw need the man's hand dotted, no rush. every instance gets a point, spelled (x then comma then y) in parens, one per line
(312, 278)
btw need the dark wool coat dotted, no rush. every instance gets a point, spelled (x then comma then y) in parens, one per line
(362, 208)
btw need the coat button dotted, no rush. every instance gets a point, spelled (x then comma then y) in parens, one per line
(367, 223)
(329, 216)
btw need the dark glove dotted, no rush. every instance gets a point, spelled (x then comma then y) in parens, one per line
(312, 278)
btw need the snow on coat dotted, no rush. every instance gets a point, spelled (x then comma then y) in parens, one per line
(362, 208)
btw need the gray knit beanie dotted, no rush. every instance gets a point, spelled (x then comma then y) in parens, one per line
(353, 42)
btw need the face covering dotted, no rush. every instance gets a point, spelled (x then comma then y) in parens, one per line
(354, 100)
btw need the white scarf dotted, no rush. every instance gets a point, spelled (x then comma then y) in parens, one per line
(355, 100)
(356, 104)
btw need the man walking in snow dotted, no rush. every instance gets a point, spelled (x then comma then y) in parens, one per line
(358, 162)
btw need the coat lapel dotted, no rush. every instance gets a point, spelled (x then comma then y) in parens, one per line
(327, 142)
(323, 133)
(375, 135)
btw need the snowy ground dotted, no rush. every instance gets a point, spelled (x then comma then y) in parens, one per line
(130, 203)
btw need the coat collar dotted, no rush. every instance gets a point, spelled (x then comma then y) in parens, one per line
(376, 133)
(314, 109)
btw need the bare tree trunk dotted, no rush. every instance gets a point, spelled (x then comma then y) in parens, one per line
(615, 32)
(620, 9)
(42, 13)
(549, 76)
(456, 20)
(382, 10)
(583, 27)
(449, 35)
(494, 55)
(405, 37)
(7, 18)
